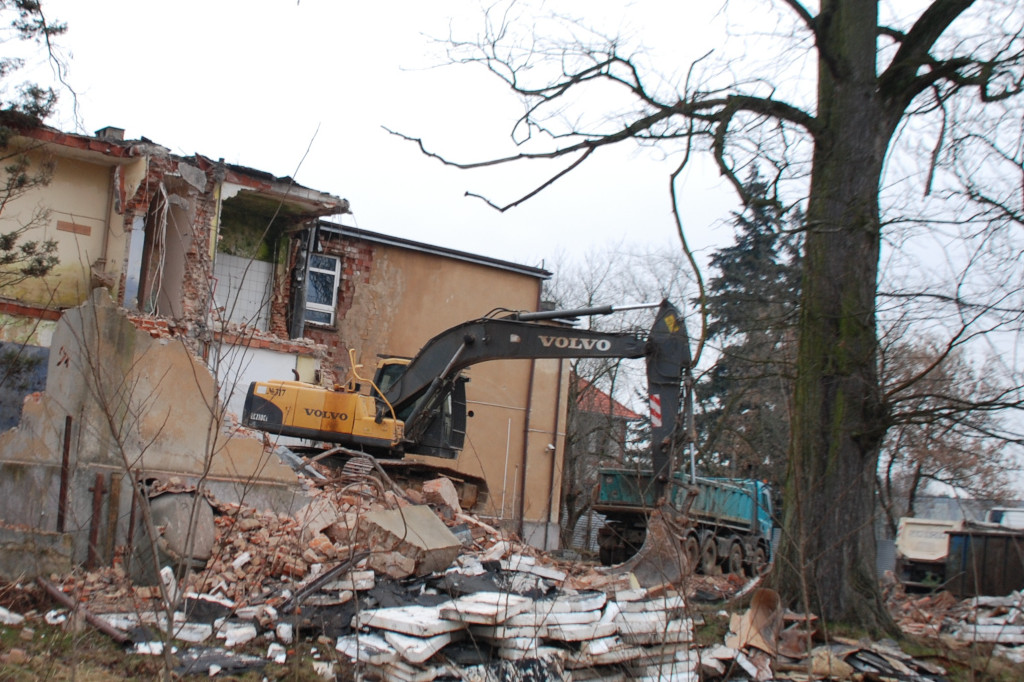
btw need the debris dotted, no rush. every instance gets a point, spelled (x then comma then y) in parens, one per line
(234, 634)
(212, 660)
(418, 621)
(98, 623)
(277, 653)
(441, 492)
(485, 608)
(8, 618)
(760, 625)
(410, 534)
(402, 598)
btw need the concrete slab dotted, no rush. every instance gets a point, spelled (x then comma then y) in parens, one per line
(414, 532)
(519, 643)
(419, 649)
(543, 652)
(367, 648)
(399, 671)
(680, 630)
(486, 608)
(28, 554)
(195, 633)
(661, 603)
(566, 603)
(582, 633)
(601, 645)
(415, 620)
(500, 632)
(635, 594)
(613, 656)
(540, 617)
(356, 581)
(666, 673)
(528, 564)
(644, 621)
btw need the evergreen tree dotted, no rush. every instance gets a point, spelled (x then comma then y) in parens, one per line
(25, 167)
(745, 398)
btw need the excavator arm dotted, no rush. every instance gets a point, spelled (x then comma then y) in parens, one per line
(420, 404)
(429, 377)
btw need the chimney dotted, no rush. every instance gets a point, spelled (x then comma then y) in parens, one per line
(111, 133)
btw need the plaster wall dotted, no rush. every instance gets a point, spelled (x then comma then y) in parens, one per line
(121, 405)
(82, 219)
(238, 365)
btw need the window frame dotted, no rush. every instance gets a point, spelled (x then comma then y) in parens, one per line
(321, 307)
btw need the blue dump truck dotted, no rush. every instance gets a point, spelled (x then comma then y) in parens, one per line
(728, 526)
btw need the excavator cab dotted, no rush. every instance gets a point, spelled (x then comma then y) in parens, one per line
(445, 433)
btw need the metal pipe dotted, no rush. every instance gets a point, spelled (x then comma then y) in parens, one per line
(94, 522)
(554, 454)
(113, 512)
(526, 450)
(65, 476)
(67, 602)
(581, 312)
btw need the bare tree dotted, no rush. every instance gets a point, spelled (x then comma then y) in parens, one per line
(829, 142)
(946, 427)
(597, 432)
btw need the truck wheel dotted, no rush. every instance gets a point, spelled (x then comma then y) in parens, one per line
(734, 562)
(691, 548)
(757, 562)
(709, 556)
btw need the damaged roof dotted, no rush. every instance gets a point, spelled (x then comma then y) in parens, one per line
(108, 147)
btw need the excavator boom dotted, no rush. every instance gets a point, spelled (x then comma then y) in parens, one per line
(414, 409)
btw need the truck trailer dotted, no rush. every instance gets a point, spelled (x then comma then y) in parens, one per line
(731, 520)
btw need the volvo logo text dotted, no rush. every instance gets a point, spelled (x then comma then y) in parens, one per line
(575, 343)
(322, 414)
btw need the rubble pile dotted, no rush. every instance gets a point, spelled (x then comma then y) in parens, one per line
(404, 585)
(996, 619)
(628, 634)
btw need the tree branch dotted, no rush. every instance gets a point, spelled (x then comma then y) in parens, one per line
(900, 82)
(805, 16)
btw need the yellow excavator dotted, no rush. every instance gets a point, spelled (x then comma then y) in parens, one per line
(419, 405)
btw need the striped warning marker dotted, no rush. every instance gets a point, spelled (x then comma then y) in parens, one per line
(655, 410)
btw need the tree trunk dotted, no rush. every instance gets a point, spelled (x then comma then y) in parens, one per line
(827, 556)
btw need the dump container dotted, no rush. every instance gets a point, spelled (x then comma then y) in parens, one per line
(985, 561)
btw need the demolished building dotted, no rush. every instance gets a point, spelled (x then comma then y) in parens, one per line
(180, 280)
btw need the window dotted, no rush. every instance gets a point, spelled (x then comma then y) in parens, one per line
(322, 288)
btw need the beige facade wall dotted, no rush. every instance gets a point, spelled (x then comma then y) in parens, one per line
(518, 406)
(82, 220)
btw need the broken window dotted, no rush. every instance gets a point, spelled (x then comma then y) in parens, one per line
(322, 288)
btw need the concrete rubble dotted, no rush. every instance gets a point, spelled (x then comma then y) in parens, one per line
(403, 585)
(997, 620)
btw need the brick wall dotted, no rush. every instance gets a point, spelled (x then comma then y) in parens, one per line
(356, 267)
(163, 172)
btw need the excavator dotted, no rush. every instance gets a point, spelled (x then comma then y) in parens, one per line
(419, 405)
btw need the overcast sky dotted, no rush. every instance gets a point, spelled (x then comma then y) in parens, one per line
(257, 82)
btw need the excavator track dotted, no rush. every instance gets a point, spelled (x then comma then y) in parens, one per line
(473, 493)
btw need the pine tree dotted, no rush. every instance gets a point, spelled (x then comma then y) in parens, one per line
(21, 256)
(745, 398)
